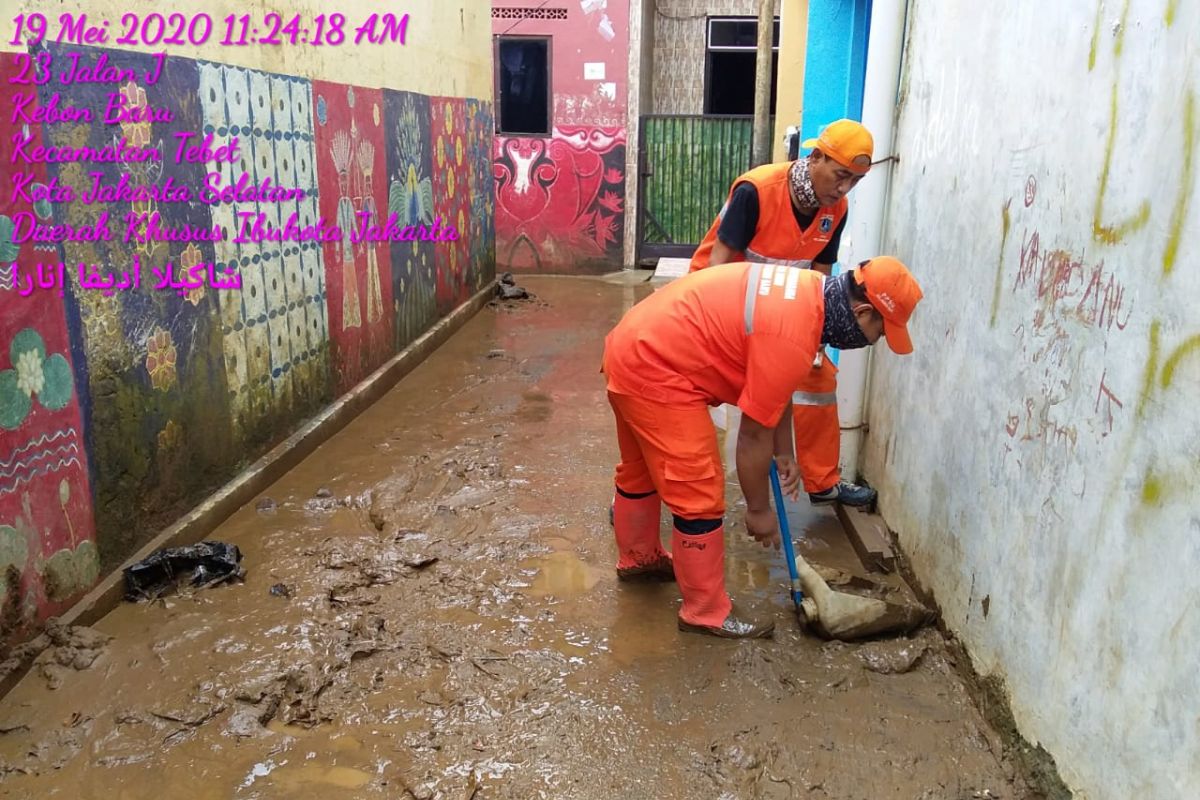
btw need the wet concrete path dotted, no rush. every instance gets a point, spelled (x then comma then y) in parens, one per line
(446, 624)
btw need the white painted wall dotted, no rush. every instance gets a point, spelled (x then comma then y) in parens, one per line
(1039, 454)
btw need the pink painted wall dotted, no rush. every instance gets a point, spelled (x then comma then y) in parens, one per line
(560, 200)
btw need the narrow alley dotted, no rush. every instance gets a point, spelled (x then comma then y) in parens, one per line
(312, 485)
(449, 618)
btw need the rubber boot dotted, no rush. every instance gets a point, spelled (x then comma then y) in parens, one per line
(640, 553)
(700, 571)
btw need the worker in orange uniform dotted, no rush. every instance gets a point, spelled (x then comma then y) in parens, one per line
(744, 334)
(793, 213)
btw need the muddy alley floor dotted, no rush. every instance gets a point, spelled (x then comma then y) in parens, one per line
(430, 611)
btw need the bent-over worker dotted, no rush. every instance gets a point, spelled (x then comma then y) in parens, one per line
(744, 334)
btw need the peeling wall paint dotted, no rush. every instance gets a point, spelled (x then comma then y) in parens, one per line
(1051, 462)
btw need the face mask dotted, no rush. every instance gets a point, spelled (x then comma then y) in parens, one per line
(841, 327)
(801, 184)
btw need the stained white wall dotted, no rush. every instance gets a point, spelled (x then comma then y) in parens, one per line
(1039, 455)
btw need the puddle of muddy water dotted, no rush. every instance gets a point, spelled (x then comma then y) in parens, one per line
(563, 574)
(453, 628)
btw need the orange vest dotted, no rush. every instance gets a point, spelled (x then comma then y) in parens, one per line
(743, 334)
(777, 239)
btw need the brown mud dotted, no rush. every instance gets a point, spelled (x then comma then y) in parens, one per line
(430, 611)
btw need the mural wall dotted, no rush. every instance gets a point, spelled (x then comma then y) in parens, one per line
(48, 551)
(1038, 453)
(121, 408)
(560, 199)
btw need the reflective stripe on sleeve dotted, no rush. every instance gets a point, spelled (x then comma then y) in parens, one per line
(814, 398)
(752, 295)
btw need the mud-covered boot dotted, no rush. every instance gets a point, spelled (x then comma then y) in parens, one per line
(848, 494)
(700, 572)
(640, 555)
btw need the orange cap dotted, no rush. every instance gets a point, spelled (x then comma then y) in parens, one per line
(848, 143)
(894, 292)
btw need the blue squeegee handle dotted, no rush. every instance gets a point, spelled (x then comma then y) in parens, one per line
(786, 535)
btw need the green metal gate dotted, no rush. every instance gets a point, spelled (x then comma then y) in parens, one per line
(686, 165)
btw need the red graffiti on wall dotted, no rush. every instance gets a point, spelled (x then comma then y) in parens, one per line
(560, 201)
(1059, 278)
(1110, 399)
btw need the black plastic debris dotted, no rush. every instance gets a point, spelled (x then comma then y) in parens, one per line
(204, 564)
(507, 289)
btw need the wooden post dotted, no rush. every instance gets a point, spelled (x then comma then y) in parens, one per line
(761, 136)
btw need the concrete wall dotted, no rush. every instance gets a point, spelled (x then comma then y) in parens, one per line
(120, 410)
(680, 29)
(1038, 455)
(560, 200)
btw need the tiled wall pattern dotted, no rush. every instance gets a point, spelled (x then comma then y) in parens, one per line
(275, 329)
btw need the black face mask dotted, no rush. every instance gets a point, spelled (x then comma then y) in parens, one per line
(841, 328)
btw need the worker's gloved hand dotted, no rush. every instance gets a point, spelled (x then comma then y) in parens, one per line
(789, 476)
(764, 527)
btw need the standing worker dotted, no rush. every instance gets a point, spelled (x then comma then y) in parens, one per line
(743, 334)
(793, 213)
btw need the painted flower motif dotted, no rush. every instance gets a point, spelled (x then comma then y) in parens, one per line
(450, 183)
(103, 324)
(170, 437)
(137, 133)
(458, 150)
(30, 378)
(605, 230)
(33, 373)
(611, 201)
(189, 258)
(160, 359)
(449, 118)
(614, 175)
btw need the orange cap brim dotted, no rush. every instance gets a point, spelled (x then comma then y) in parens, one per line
(855, 168)
(897, 338)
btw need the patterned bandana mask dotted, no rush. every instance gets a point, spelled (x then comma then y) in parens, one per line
(801, 184)
(841, 328)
